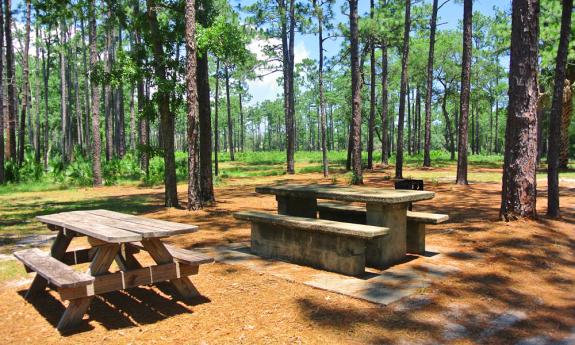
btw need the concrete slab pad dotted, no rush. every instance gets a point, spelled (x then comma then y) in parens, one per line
(377, 286)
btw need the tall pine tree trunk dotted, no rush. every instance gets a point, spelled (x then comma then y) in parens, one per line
(216, 130)
(230, 122)
(108, 89)
(25, 88)
(120, 106)
(96, 141)
(385, 149)
(355, 94)
(10, 76)
(194, 200)
(166, 117)
(519, 192)
(372, 97)
(64, 94)
(46, 78)
(2, 153)
(465, 91)
(566, 112)
(319, 14)
(429, 89)
(557, 111)
(403, 91)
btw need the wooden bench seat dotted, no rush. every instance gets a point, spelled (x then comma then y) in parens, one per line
(357, 214)
(331, 245)
(184, 256)
(55, 272)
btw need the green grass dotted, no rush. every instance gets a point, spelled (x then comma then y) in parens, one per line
(11, 270)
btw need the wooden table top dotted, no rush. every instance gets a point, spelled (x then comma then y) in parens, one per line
(347, 193)
(115, 227)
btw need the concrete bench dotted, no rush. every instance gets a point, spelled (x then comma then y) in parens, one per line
(55, 272)
(416, 221)
(330, 245)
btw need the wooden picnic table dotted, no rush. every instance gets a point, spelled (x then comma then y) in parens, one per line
(384, 207)
(113, 237)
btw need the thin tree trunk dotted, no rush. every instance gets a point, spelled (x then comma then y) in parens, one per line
(241, 120)
(87, 87)
(230, 122)
(64, 94)
(25, 88)
(216, 132)
(2, 128)
(10, 76)
(120, 107)
(402, 92)
(465, 91)
(96, 141)
(429, 88)
(355, 94)
(325, 166)
(409, 112)
(206, 181)
(519, 192)
(372, 97)
(46, 78)
(133, 129)
(194, 199)
(385, 149)
(166, 117)
(288, 42)
(565, 123)
(144, 127)
(108, 89)
(553, 209)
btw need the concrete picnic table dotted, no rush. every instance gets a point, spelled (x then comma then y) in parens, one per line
(385, 207)
(113, 237)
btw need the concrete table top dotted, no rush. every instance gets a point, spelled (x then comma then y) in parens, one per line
(347, 193)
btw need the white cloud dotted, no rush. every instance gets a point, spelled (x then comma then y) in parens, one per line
(267, 87)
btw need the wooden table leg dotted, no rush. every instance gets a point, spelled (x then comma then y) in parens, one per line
(161, 255)
(58, 250)
(391, 249)
(299, 207)
(78, 307)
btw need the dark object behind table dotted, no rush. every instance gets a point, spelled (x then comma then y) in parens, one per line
(410, 185)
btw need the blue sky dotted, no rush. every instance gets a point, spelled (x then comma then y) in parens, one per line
(306, 46)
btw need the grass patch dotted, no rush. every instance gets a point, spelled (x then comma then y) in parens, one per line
(11, 270)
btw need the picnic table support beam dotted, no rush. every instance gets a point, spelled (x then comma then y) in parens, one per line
(57, 251)
(161, 255)
(299, 207)
(78, 307)
(386, 251)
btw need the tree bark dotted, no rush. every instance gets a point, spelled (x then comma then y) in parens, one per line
(465, 91)
(64, 95)
(166, 117)
(355, 94)
(11, 132)
(25, 88)
(519, 192)
(216, 109)
(144, 125)
(290, 98)
(194, 200)
(429, 89)
(2, 128)
(402, 92)
(323, 120)
(372, 97)
(230, 122)
(557, 110)
(46, 78)
(96, 141)
(385, 149)
(108, 89)
(120, 107)
(565, 123)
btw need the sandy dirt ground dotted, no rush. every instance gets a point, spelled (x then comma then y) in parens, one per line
(516, 283)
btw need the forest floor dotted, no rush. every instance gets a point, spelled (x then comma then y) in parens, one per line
(515, 283)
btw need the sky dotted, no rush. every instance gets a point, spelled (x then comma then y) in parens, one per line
(306, 46)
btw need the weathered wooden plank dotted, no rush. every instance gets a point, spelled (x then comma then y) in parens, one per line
(143, 229)
(309, 224)
(129, 279)
(96, 230)
(181, 255)
(52, 270)
(345, 193)
(161, 255)
(172, 227)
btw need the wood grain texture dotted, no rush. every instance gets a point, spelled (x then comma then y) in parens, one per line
(181, 255)
(52, 270)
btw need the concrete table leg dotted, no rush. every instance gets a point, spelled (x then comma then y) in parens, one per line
(298, 207)
(391, 249)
